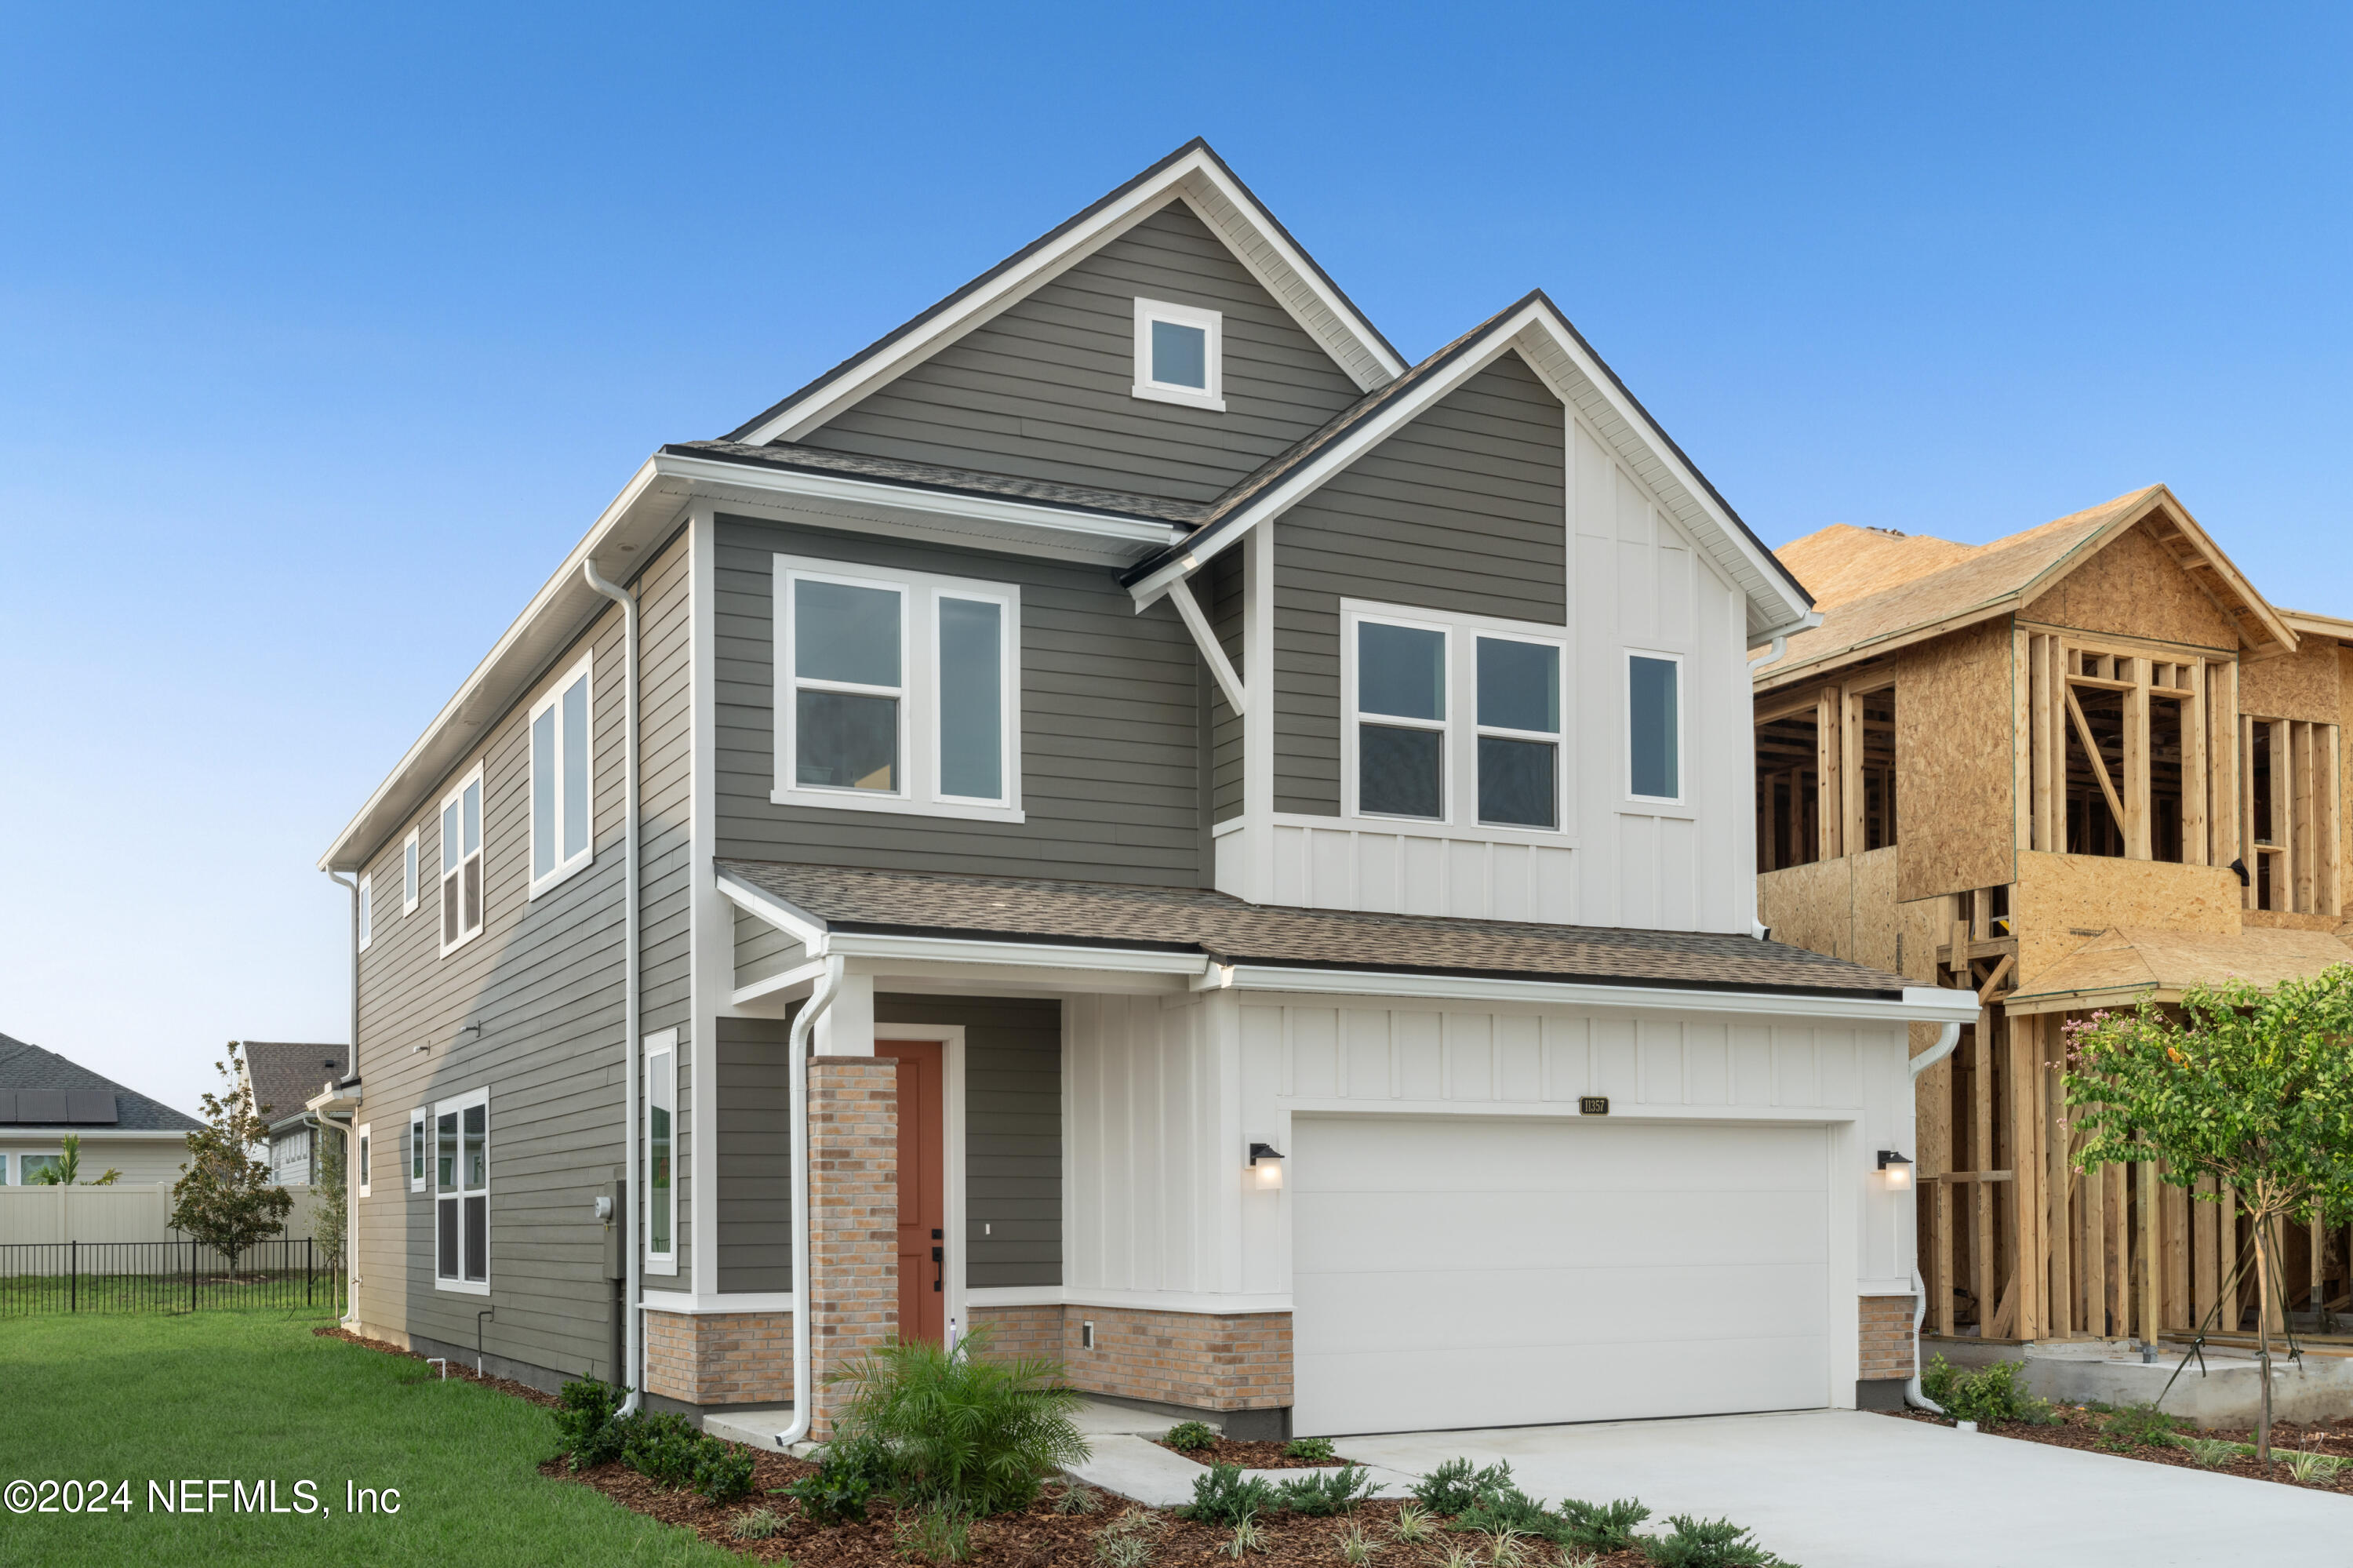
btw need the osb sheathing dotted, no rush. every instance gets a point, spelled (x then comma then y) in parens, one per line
(2132, 588)
(2063, 901)
(1953, 762)
(1810, 906)
(1875, 929)
(2306, 685)
(2287, 920)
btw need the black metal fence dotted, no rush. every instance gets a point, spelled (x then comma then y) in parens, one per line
(42, 1277)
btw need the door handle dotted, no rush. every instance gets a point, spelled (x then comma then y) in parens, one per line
(939, 1257)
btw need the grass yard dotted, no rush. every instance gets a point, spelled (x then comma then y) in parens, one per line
(256, 1396)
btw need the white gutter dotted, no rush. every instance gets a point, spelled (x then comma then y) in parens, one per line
(1913, 1395)
(804, 1343)
(633, 1353)
(1781, 636)
(325, 1106)
(351, 1145)
(1920, 1005)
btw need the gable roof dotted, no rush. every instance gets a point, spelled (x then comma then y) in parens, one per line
(2123, 964)
(1912, 592)
(1535, 328)
(285, 1074)
(1193, 173)
(30, 1074)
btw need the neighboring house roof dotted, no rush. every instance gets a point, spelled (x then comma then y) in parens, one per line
(40, 1088)
(1111, 916)
(285, 1074)
(2123, 965)
(1908, 592)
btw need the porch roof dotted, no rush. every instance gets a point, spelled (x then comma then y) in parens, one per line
(1230, 931)
(2125, 964)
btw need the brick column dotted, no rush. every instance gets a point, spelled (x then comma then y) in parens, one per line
(852, 1293)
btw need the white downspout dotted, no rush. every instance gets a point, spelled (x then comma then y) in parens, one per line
(633, 1354)
(351, 1140)
(797, 1066)
(1913, 1395)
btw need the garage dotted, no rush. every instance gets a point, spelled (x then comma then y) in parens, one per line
(1489, 1271)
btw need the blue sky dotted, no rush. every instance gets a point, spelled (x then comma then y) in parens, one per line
(323, 333)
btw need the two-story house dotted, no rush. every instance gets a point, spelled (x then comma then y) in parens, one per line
(1127, 814)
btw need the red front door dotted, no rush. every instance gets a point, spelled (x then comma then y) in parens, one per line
(923, 1188)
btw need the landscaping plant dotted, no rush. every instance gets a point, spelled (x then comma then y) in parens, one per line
(67, 1172)
(1457, 1484)
(2306, 1467)
(1186, 1436)
(1320, 1496)
(1989, 1396)
(1357, 1547)
(1707, 1544)
(758, 1525)
(1509, 1511)
(2253, 1090)
(1226, 1496)
(2209, 1452)
(850, 1474)
(1601, 1527)
(584, 1423)
(939, 1533)
(225, 1197)
(1314, 1450)
(1078, 1499)
(1122, 1550)
(960, 1428)
(1413, 1525)
(2137, 1426)
(1248, 1536)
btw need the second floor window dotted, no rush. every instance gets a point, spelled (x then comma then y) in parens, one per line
(561, 799)
(1655, 726)
(367, 910)
(1437, 736)
(461, 862)
(896, 690)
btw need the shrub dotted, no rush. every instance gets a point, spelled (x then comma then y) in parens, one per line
(663, 1448)
(2137, 1426)
(957, 1428)
(2209, 1452)
(1510, 1512)
(1320, 1496)
(1226, 1496)
(1188, 1437)
(848, 1476)
(938, 1532)
(723, 1471)
(757, 1525)
(1315, 1450)
(1707, 1544)
(1989, 1396)
(1600, 1527)
(584, 1423)
(1456, 1485)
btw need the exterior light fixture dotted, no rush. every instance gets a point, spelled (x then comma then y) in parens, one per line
(1897, 1169)
(1266, 1164)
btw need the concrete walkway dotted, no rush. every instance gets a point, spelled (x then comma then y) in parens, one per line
(1126, 1462)
(1841, 1488)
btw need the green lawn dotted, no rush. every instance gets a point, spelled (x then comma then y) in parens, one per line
(256, 1396)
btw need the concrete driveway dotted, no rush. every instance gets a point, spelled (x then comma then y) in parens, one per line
(1839, 1488)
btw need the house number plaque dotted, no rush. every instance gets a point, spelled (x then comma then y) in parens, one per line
(1593, 1104)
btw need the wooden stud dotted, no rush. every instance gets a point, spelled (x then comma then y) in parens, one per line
(2021, 744)
(2042, 651)
(1852, 796)
(2226, 799)
(2149, 1274)
(2136, 812)
(2206, 1267)
(2246, 786)
(2023, 1047)
(2057, 1184)
(2282, 811)
(2304, 851)
(2328, 807)
(1828, 814)
(2175, 1206)
(2193, 767)
(2115, 1243)
(2099, 763)
(1944, 1304)
(1981, 1248)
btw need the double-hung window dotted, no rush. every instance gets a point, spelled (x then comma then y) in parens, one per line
(367, 910)
(662, 1140)
(364, 1138)
(562, 798)
(897, 691)
(1179, 350)
(408, 869)
(1655, 726)
(1454, 719)
(461, 1194)
(416, 1149)
(461, 862)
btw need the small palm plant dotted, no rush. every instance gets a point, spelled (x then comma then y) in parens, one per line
(960, 1428)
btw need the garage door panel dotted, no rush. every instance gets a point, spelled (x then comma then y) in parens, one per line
(1498, 1307)
(1412, 1233)
(1455, 1272)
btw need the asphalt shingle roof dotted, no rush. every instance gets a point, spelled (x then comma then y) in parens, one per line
(1184, 919)
(287, 1073)
(953, 481)
(24, 1067)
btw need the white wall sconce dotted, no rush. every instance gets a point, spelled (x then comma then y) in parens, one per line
(1266, 1164)
(1897, 1169)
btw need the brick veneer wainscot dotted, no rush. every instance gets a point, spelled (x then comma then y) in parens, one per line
(1886, 1338)
(853, 1105)
(719, 1358)
(1201, 1360)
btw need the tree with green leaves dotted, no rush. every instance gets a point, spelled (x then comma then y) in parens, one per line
(67, 1172)
(2252, 1089)
(225, 1197)
(330, 1212)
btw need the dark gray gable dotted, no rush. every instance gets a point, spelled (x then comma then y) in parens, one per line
(1465, 508)
(1043, 389)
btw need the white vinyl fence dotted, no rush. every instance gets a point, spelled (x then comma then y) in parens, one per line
(125, 1211)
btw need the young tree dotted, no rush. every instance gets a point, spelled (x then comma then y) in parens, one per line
(2252, 1089)
(67, 1172)
(327, 1182)
(224, 1197)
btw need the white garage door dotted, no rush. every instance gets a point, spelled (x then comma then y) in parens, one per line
(1453, 1272)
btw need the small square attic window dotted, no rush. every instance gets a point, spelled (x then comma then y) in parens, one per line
(1179, 351)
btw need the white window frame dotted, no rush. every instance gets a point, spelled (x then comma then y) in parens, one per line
(1626, 728)
(363, 1148)
(441, 817)
(58, 1154)
(1460, 758)
(367, 909)
(662, 1046)
(563, 870)
(918, 792)
(1212, 396)
(459, 1106)
(420, 1156)
(411, 869)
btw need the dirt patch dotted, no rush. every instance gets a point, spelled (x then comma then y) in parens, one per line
(2081, 1428)
(1262, 1456)
(457, 1369)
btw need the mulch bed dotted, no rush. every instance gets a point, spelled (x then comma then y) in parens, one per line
(1261, 1456)
(2081, 1428)
(457, 1369)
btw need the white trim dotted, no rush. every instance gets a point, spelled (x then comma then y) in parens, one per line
(1009, 695)
(1188, 610)
(1210, 394)
(1353, 716)
(1920, 1005)
(799, 979)
(560, 869)
(364, 1147)
(367, 909)
(916, 695)
(799, 925)
(412, 874)
(455, 799)
(1041, 955)
(459, 1192)
(686, 1304)
(420, 1153)
(1207, 1303)
(1626, 728)
(662, 1046)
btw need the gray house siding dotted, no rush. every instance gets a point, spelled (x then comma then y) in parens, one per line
(544, 982)
(762, 950)
(1465, 509)
(1045, 390)
(1110, 726)
(1221, 602)
(755, 1155)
